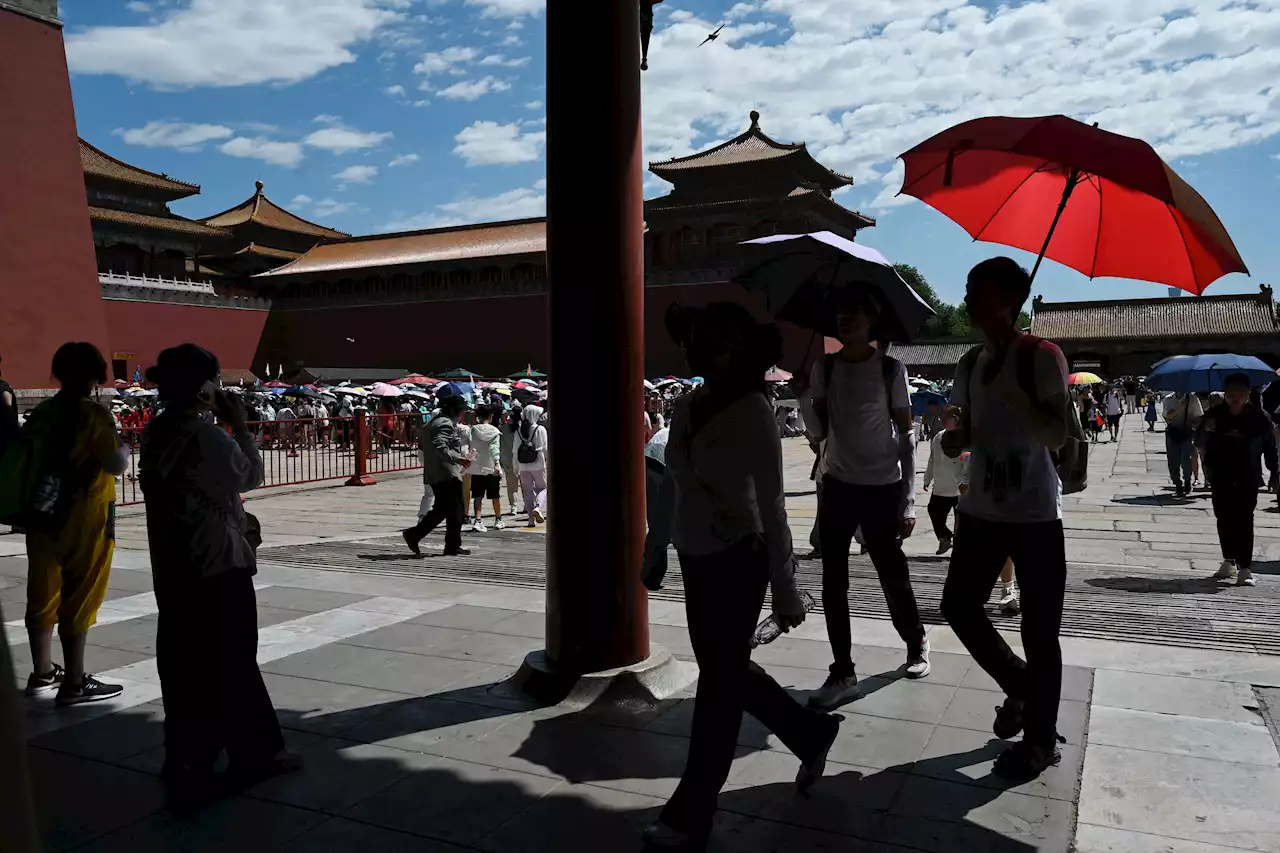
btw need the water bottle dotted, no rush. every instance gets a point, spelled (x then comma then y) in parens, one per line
(769, 630)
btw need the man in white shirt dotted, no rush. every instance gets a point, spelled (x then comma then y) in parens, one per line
(1012, 509)
(859, 405)
(1182, 414)
(1115, 409)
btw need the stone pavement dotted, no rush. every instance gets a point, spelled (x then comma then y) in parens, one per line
(387, 673)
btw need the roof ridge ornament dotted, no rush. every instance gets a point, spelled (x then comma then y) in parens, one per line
(754, 115)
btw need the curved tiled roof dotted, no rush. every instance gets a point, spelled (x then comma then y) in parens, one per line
(268, 252)
(97, 162)
(930, 353)
(667, 202)
(750, 147)
(159, 223)
(489, 239)
(263, 211)
(1181, 317)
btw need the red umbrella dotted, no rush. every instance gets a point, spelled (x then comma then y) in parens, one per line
(1096, 201)
(411, 379)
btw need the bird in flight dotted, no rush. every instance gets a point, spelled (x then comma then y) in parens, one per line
(713, 36)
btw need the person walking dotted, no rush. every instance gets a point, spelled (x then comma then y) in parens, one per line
(1130, 395)
(1230, 435)
(486, 482)
(944, 473)
(1115, 410)
(1151, 416)
(203, 560)
(1012, 509)
(660, 497)
(861, 410)
(75, 456)
(1182, 414)
(510, 423)
(531, 463)
(443, 461)
(732, 539)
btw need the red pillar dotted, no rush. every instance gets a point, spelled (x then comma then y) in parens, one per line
(597, 610)
(360, 452)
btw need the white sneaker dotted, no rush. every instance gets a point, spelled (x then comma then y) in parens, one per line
(1226, 572)
(538, 516)
(918, 665)
(1245, 578)
(1009, 601)
(834, 692)
(499, 524)
(479, 527)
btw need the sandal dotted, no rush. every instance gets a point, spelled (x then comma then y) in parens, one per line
(1024, 761)
(1008, 722)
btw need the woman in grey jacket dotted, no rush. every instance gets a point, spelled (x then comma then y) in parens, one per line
(192, 473)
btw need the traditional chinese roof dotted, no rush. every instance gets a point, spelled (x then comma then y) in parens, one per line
(158, 223)
(930, 353)
(261, 210)
(1230, 315)
(804, 194)
(268, 252)
(752, 146)
(98, 163)
(488, 239)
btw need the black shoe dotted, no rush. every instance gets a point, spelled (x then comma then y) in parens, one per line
(1178, 493)
(811, 770)
(411, 542)
(1024, 761)
(89, 689)
(458, 552)
(1008, 719)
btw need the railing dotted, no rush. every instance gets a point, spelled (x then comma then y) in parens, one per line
(155, 282)
(312, 450)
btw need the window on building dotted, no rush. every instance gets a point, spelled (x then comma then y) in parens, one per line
(459, 278)
(401, 283)
(490, 275)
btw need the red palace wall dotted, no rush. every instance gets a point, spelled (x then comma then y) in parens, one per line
(145, 328)
(49, 290)
(493, 336)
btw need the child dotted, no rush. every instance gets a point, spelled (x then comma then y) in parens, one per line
(1151, 413)
(944, 472)
(1010, 603)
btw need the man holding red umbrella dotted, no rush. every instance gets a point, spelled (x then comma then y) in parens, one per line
(1013, 391)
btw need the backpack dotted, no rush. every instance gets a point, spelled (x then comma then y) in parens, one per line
(1072, 460)
(526, 453)
(37, 481)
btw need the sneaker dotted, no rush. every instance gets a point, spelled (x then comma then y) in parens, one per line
(90, 690)
(811, 770)
(815, 554)
(1009, 719)
(835, 691)
(479, 527)
(38, 685)
(1227, 571)
(531, 523)
(499, 525)
(458, 552)
(1245, 577)
(918, 664)
(538, 516)
(1009, 602)
(944, 545)
(1025, 761)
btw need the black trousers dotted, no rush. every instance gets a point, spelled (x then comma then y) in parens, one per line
(207, 657)
(1039, 558)
(723, 594)
(449, 508)
(843, 508)
(939, 508)
(1233, 505)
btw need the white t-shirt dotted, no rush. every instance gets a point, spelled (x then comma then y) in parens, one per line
(862, 445)
(1000, 438)
(1114, 406)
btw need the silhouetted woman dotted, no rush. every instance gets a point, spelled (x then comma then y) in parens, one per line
(731, 535)
(192, 473)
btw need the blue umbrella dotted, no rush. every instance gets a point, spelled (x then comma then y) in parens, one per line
(921, 399)
(1204, 374)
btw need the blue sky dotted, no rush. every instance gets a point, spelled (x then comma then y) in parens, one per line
(370, 115)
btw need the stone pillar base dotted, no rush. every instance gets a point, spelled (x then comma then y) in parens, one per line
(638, 689)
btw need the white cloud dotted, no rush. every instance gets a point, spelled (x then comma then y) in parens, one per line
(340, 139)
(534, 105)
(327, 207)
(470, 90)
(325, 118)
(520, 203)
(300, 200)
(499, 59)
(357, 175)
(864, 80)
(508, 8)
(231, 42)
(137, 6)
(275, 152)
(403, 160)
(395, 91)
(443, 61)
(173, 134)
(487, 143)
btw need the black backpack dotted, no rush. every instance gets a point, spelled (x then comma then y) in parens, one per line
(1072, 459)
(526, 453)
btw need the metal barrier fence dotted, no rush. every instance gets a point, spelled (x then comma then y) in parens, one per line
(312, 450)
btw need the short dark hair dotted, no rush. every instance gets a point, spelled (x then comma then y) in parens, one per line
(454, 403)
(1009, 277)
(79, 363)
(1235, 379)
(182, 371)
